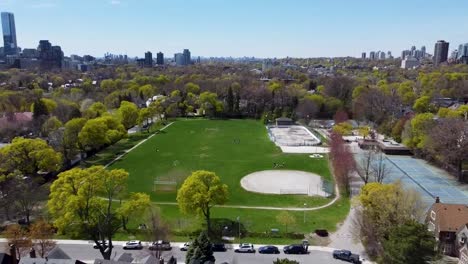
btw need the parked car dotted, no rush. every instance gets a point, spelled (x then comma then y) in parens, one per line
(218, 247)
(268, 250)
(133, 244)
(245, 248)
(295, 249)
(160, 245)
(347, 256)
(104, 244)
(185, 246)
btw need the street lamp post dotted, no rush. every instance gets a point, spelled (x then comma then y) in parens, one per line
(238, 228)
(305, 212)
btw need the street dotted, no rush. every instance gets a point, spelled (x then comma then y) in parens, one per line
(85, 252)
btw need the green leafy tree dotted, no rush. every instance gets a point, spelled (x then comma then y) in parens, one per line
(128, 114)
(96, 109)
(82, 201)
(200, 192)
(415, 135)
(192, 88)
(423, 104)
(210, 104)
(71, 145)
(29, 157)
(50, 125)
(39, 109)
(200, 251)
(134, 207)
(286, 218)
(93, 134)
(410, 242)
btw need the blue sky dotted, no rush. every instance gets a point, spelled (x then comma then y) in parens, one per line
(260, 28)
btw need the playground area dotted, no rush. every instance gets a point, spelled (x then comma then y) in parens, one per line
(285, 182)
(292, 136)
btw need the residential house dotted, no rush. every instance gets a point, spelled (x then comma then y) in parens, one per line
(55, 256)
(462, 244)
(445, 221)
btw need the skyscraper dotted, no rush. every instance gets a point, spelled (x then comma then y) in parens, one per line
(179, 59)
(363, 56)
(160, 58)
(9, 34)
(440, 52)
(187, 57)
(148, 59)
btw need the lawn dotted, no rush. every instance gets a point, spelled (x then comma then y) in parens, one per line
(230, 148)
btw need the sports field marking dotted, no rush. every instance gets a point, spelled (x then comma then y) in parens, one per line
(134, 147)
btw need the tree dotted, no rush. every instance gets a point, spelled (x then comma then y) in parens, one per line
(230, 101)
(39, 109)
(342, 161)
(365, 168)
(449, 142)
(71, 145)
(287, 219)
(50, 125)
(415, 135)
(410, 242)
(145, 117)
(42, 234)
(200, 251)
(29, 157)
(200, 192)
(157, 229)
(93, 134)
(423, 105)
(382, 207)
(81, 201)
(380, 170)
(95, 110)
(128, 114)
(135, 206)
(284, 261)
(19, 237)
(210, 104)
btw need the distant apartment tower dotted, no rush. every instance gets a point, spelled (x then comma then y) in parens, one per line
(423, 51)
(187, 57)
(363, 56)
(372, 55)
(441, 52)
(9, 34)
(179, 59)
(148, 59)
(160, 58)
(51, 57)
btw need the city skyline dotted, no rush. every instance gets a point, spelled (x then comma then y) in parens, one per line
(237, 29)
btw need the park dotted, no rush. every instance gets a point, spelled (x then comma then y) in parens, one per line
(238, 151)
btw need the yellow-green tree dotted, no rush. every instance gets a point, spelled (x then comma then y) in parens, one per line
(286, 218)
(136, 205)
(200, 192)
(128, 114)
(82, 200)
(29, 157)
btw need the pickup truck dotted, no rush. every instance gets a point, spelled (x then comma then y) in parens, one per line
(346, 255)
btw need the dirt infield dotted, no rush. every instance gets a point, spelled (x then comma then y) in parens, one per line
(284, 182)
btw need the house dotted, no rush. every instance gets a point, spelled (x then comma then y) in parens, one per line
(463, 255)
(445, 221)
(55, 256)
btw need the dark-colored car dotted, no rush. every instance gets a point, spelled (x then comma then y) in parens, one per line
(218, 247)
(346, 255)
(268, 250)
(161, 245)
(295, 249)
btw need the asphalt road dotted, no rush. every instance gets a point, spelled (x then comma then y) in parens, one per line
(86, 252)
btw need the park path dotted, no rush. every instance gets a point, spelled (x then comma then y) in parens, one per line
(272, 207)
(134, 147)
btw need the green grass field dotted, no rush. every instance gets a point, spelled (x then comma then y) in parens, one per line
(230, 148)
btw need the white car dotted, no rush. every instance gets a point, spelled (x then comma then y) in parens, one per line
(133, 244)
(245, 248)
(185, 246)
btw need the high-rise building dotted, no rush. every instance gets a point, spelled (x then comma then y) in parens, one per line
(148, 59)
(462, 55)
(372, 55)
(423, 51)
(50, 56)
(187, 57)
(9, 34)
(382, 55)
(363, 56)
(160, 58)
(179, 59)
(441, 49)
